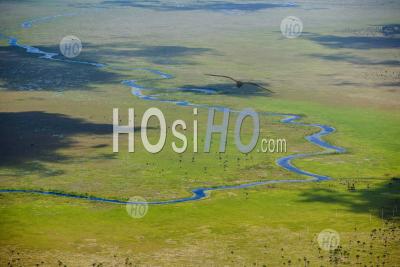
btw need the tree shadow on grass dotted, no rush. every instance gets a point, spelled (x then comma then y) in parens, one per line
(21, 71)
(379, 196)
(28, 139)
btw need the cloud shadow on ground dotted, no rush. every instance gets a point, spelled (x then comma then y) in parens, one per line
(36, 135)
(372, 200)
(22, 71)
(156, 54)
(347, 57)
(28, 139)
(198, 5)
(231, 89)
(354, 42)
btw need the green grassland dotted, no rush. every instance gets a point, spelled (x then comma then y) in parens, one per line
(56, 135)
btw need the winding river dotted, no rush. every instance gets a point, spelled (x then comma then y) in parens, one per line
(139, 91)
